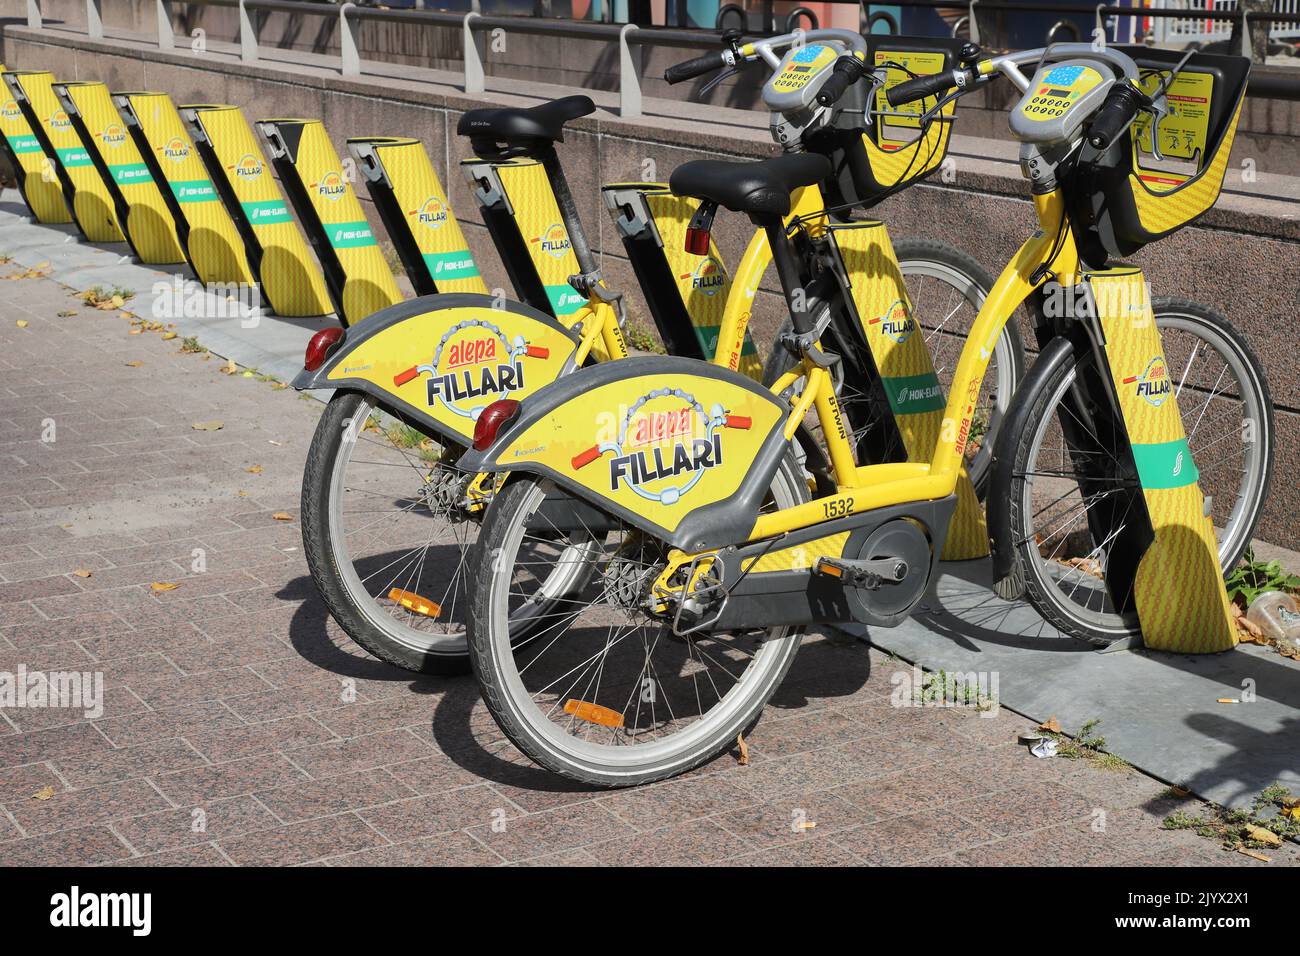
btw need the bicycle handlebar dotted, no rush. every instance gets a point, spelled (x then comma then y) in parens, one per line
(921, 87)
(697, 66)
(1116, 113)
(848, 70)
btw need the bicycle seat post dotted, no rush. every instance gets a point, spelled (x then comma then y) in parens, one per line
(568, 209)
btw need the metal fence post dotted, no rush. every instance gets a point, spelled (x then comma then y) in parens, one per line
(94, 20)
(166, 40)
(629, 74)
(1247, 48)
(474, 79)
(974, 23)
(351, 59)
(34, 14)
(247, 36)
(1101, 24)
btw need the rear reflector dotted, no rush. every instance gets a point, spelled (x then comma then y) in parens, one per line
(414, 603)
(319, 348)
(490, 420)
(593, 713)
(697, 242)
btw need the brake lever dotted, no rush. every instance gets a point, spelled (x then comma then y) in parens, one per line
(929, 115)
(1157, 114)
(722, 75)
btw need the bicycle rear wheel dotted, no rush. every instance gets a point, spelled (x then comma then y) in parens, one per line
(603, 691)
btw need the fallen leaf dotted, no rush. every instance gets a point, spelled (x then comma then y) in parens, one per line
(247, 374)
(82, 572)
(243, 494)
(806, 825)
(44, 793)
(282, 516)
(1050, 725)
(743, 747)
(1180, 792)
(164, 585)
(117, 301)
(168, 336)
(280, 386)
(208, 426)
(272, 441)
(255, 470)
(135, 331)
(21, 323)
(1260, 835)
(65, 313)
(1291, 802)
(136, 364)
(1257, 856)
(230, 368)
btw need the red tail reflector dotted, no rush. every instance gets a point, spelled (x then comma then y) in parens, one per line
(491, 419)
(319, 348)
(697, 242)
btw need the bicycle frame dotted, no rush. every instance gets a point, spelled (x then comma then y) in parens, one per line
(868, 487)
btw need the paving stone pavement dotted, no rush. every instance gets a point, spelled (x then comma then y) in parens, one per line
(240, 726)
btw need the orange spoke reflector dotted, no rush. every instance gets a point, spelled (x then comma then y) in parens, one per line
(414, 603)
(594, 713)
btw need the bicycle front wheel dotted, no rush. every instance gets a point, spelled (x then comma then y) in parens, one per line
(1227, 415)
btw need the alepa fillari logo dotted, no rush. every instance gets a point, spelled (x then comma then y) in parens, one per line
(332, 186)
(897, 322)
(666, 443)
(554, 241)
(59, 121)
(708, 276)
(113, 135)
(176, 149)
(475, 364)
(1153, 385)
(10, 110)
(248, 167)
(432, 214)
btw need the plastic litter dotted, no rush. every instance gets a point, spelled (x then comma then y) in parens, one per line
(1277, 616)
(1044, 748)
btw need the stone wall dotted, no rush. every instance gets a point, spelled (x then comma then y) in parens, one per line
(1243, 257)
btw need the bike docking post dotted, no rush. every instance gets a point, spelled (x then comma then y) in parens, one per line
(414, 209)
(357, 276)
(37, 182)
(91, 206)
(523, 218)
(208, 237)
(277, 254)
(686, 293)
(141, 210)
(1178, 589)
(897, 345)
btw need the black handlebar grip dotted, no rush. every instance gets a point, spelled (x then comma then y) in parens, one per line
(848, 70)
(1122, 104)
(909, 91)
(690, 69)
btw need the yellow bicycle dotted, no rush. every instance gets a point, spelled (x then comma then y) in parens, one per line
(706, 548)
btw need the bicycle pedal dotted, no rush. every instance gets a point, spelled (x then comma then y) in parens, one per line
(870, 573)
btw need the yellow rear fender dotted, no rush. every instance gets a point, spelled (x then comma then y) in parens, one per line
(442, 359)
(681, 449)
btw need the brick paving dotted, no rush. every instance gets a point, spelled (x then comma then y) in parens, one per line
(240, 727)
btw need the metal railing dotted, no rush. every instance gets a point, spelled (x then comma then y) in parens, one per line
(631, 39)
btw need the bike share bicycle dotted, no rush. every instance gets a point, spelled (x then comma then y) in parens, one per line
(387, 557)
(674, 483)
